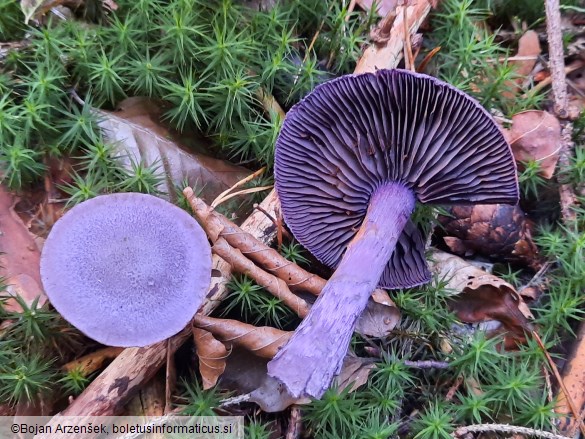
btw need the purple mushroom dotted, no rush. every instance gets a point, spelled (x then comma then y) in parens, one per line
(126, 269)
(352, 159)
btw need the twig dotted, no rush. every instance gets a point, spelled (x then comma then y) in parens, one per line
(575, 65)
(566, 192)
(278, 224)
(558, 377)
(234, 400)
(427, 364)
(556, 57)
(537, 277)
(561, 103)
(505, 428)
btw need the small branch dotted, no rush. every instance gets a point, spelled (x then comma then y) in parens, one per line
(556, 57)
(504, 428)
(427, 364)
(278, 224)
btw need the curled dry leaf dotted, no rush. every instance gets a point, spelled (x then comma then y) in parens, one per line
(19, 256)
(248, 374)
(497, 231)
(262, 341)
(138, 136)
(536, 135)
(380, 316)
(354, 372)
(212, 356)
(482, 296)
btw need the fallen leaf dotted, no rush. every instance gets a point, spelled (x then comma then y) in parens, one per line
(380, 316)
(524, 62)
(497, 231)
(481, 296)
(212, 356)
(262, 341)
(30, 7)
(574, 378)
(536, 135)
(354, 372)
(138, 136)
(19, 256)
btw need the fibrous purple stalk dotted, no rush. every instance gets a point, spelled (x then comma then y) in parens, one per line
(307, 364)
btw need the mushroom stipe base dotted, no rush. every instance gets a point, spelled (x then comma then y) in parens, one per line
(314, 355)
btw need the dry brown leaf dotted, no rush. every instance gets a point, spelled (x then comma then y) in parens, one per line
(19, 256)
(536, 135)
(212, 355)
(482, 296)
(138, 136)
(354, 372)
(525, 60)
(380, 316)
(497, 231)
(574, 378)
(262, 341)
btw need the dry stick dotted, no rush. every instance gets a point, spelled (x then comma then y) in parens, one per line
(567, 195)
(574, 66)
(275, 286)
(558, 377)
(556, 57)
(281, 231)
(504, 428)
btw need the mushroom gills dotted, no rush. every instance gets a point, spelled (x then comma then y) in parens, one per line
(322, 339)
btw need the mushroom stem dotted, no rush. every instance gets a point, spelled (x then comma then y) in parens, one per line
(307, 364)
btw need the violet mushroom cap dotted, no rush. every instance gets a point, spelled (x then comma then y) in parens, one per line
(126, 269)
(351, 160)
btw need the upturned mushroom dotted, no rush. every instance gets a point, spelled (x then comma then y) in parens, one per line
(126, 269)
(352, 159)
